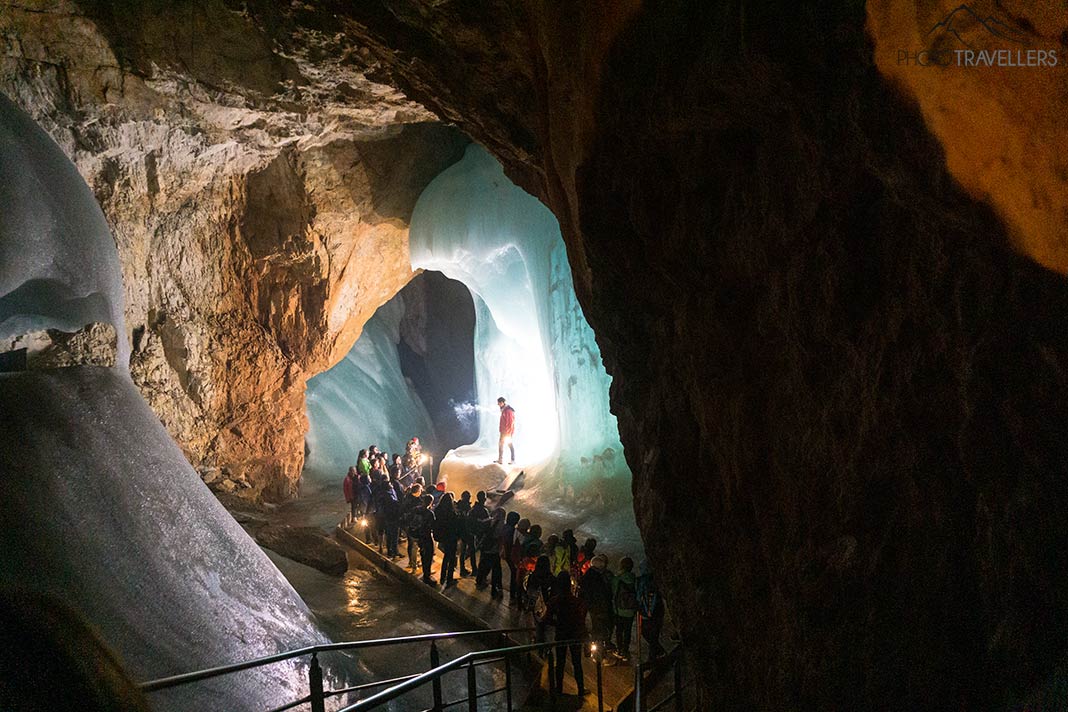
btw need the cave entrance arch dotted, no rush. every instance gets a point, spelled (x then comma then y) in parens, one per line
(404, 376)
(533, 346)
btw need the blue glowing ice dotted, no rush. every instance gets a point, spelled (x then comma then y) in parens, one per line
(532, 343)
(100, 507)
(364, 400)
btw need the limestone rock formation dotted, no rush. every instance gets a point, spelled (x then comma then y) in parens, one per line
(258, 187)
(840, 386)
(841, 389)
(306, 545)
(1001, 118)
(94, 345)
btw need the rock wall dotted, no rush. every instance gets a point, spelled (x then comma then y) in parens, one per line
(258, 186)
(840, 386)
(437, 354)
(838, 370)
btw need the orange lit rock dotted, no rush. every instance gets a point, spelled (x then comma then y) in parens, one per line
(1003, 128)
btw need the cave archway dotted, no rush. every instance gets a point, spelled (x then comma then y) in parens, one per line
(402, 377)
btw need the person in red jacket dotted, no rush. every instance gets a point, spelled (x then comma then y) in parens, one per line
(350, 494)
(507, 429)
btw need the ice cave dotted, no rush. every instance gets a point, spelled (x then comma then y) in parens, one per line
(531, 344)
(776, 308)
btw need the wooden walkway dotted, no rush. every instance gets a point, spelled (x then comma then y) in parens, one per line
(482, 611)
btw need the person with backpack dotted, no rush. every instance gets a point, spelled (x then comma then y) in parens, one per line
(595, 589)
(489, 558)
(507, 540)
(624, 605)
(467, 536)
(384, 499)
(393, 512)
(559, 555)
(423, 529)
(651, 606)
(409, 520)
(515, 560)
(567, 614)
(539, 591)
(447, 532)
(362, 489)
(478, 523)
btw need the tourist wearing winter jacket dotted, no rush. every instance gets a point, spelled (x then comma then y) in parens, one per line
(624, 604)
(350, 496)
(447, 532)
(539, 591)
(595, 588)
(559, 556)
(467, 535)
(651, 606)
(489, 557)
(514, 556)
(423, 529)
(409, 520)
(567, 614)
(362, 492)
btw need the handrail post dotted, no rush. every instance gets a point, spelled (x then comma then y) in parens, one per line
(508, 681)
(678, 682)
(472, 688)
(315, 685)
(638, 668)
(435, 661)
(551, 676)
(600, 681)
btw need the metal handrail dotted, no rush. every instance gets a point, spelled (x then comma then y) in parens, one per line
(437, 672)
(189, 677)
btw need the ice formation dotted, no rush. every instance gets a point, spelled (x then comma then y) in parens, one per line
(364, 400)
(59, 267)
(100, 507)
(102, 510)
(533, 344)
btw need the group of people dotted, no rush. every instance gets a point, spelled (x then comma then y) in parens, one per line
(562, 584)
(375, 485)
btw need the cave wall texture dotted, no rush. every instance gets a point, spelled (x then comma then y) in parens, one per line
(829, 290)
(838, 370)
(259, 188)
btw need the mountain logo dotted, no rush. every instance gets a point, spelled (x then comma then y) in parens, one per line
(963, 20)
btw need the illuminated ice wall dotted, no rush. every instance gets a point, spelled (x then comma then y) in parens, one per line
(532, 342)
(100, 508)
(364, 400)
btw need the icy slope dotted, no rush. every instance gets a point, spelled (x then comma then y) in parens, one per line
(58, 264)
(364, 400)
(101, 509)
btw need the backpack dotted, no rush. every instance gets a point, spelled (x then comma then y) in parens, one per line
(625, 599)
(541, 608)
(410, 517)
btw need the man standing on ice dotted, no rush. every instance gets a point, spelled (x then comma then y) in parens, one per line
(507, 431)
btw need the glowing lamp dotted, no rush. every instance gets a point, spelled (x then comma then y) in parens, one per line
(363, 522)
